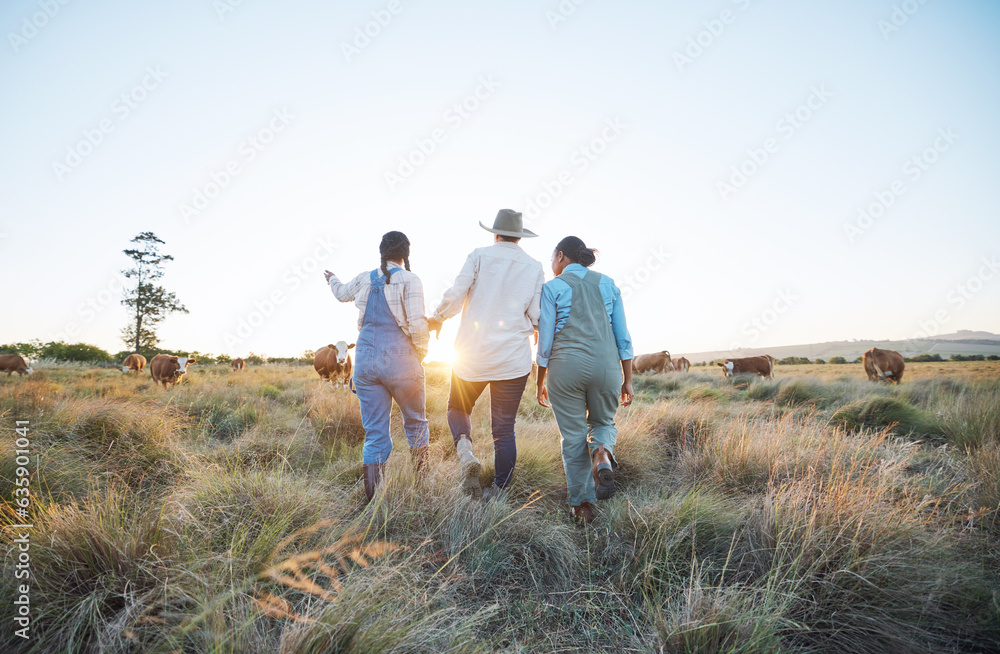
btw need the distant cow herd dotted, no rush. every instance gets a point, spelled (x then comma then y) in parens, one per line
(659, 362)
(333, 364)
(879, 365)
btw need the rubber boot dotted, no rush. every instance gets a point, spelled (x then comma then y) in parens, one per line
(419, 457)
(468, 468)
(373, 474)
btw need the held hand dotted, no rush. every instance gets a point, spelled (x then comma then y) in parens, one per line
(327, 274)
(543, 396)
(536, 335)
(434, 326)
(627, 394)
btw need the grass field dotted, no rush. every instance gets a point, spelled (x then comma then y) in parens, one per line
(816, 512)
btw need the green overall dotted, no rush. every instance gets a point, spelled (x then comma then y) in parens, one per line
(585, 382)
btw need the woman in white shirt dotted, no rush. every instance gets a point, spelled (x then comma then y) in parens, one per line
(388, 355)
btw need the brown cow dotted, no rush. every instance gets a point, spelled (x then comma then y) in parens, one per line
(681, 364)
(658, 362)
(168, 369)
(883, 365)
(762, 365)
(238, 364)
(14, 363)
(333, 362)
(134, 363)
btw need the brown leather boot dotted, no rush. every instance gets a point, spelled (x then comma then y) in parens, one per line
(419, 457)
(604, 478)
(373, 474)
(584, 513)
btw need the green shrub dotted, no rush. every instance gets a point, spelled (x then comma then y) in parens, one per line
(763, 390)
(655, 385)
(799, 392)
(884, 412)
(73, 352)
(703, 394)
(222, 420)
(270, 391)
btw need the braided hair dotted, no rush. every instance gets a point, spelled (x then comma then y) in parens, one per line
(394, 246)
(574, 249)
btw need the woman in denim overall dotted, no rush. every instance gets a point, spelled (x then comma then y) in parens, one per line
(589, 366)
(387, 364)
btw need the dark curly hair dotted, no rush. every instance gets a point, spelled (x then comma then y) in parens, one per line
(574, 249)
(394, 246)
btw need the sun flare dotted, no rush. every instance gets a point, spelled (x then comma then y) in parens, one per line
(442, 350)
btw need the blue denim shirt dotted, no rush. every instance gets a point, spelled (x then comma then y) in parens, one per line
(557, 299)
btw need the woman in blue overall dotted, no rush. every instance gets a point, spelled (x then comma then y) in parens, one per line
(585, 351)
(392, 343)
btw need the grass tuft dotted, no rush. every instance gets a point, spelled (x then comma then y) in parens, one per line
(884, 412)
(336, 416)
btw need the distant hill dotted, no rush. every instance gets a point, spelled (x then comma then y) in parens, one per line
(961, 342)
(968, 335)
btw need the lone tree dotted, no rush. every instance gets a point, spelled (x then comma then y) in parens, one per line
(149, 302)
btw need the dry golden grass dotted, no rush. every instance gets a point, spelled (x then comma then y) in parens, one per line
(974, 370)
(816, 512)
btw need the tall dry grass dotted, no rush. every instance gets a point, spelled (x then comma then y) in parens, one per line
(809, 513)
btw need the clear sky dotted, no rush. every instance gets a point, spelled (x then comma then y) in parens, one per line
(719, 154)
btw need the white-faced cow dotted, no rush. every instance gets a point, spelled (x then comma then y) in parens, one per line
(658, 362)
(681, 364)
(883, 365)
(166, 369)
(134, 363)
(238, 364)
(762, 365)
(333, 362)
(14, 363)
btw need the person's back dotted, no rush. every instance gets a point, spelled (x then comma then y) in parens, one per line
(499, 314)
(498, 292)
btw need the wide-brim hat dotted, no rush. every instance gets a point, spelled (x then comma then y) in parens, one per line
(509, 223)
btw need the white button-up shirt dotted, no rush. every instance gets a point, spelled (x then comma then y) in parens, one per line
(404, 294)
(498, 292)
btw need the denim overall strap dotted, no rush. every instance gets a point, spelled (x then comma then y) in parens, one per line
(377, 281)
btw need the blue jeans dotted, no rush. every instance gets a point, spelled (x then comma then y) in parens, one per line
(505, 397)
(389, 375)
